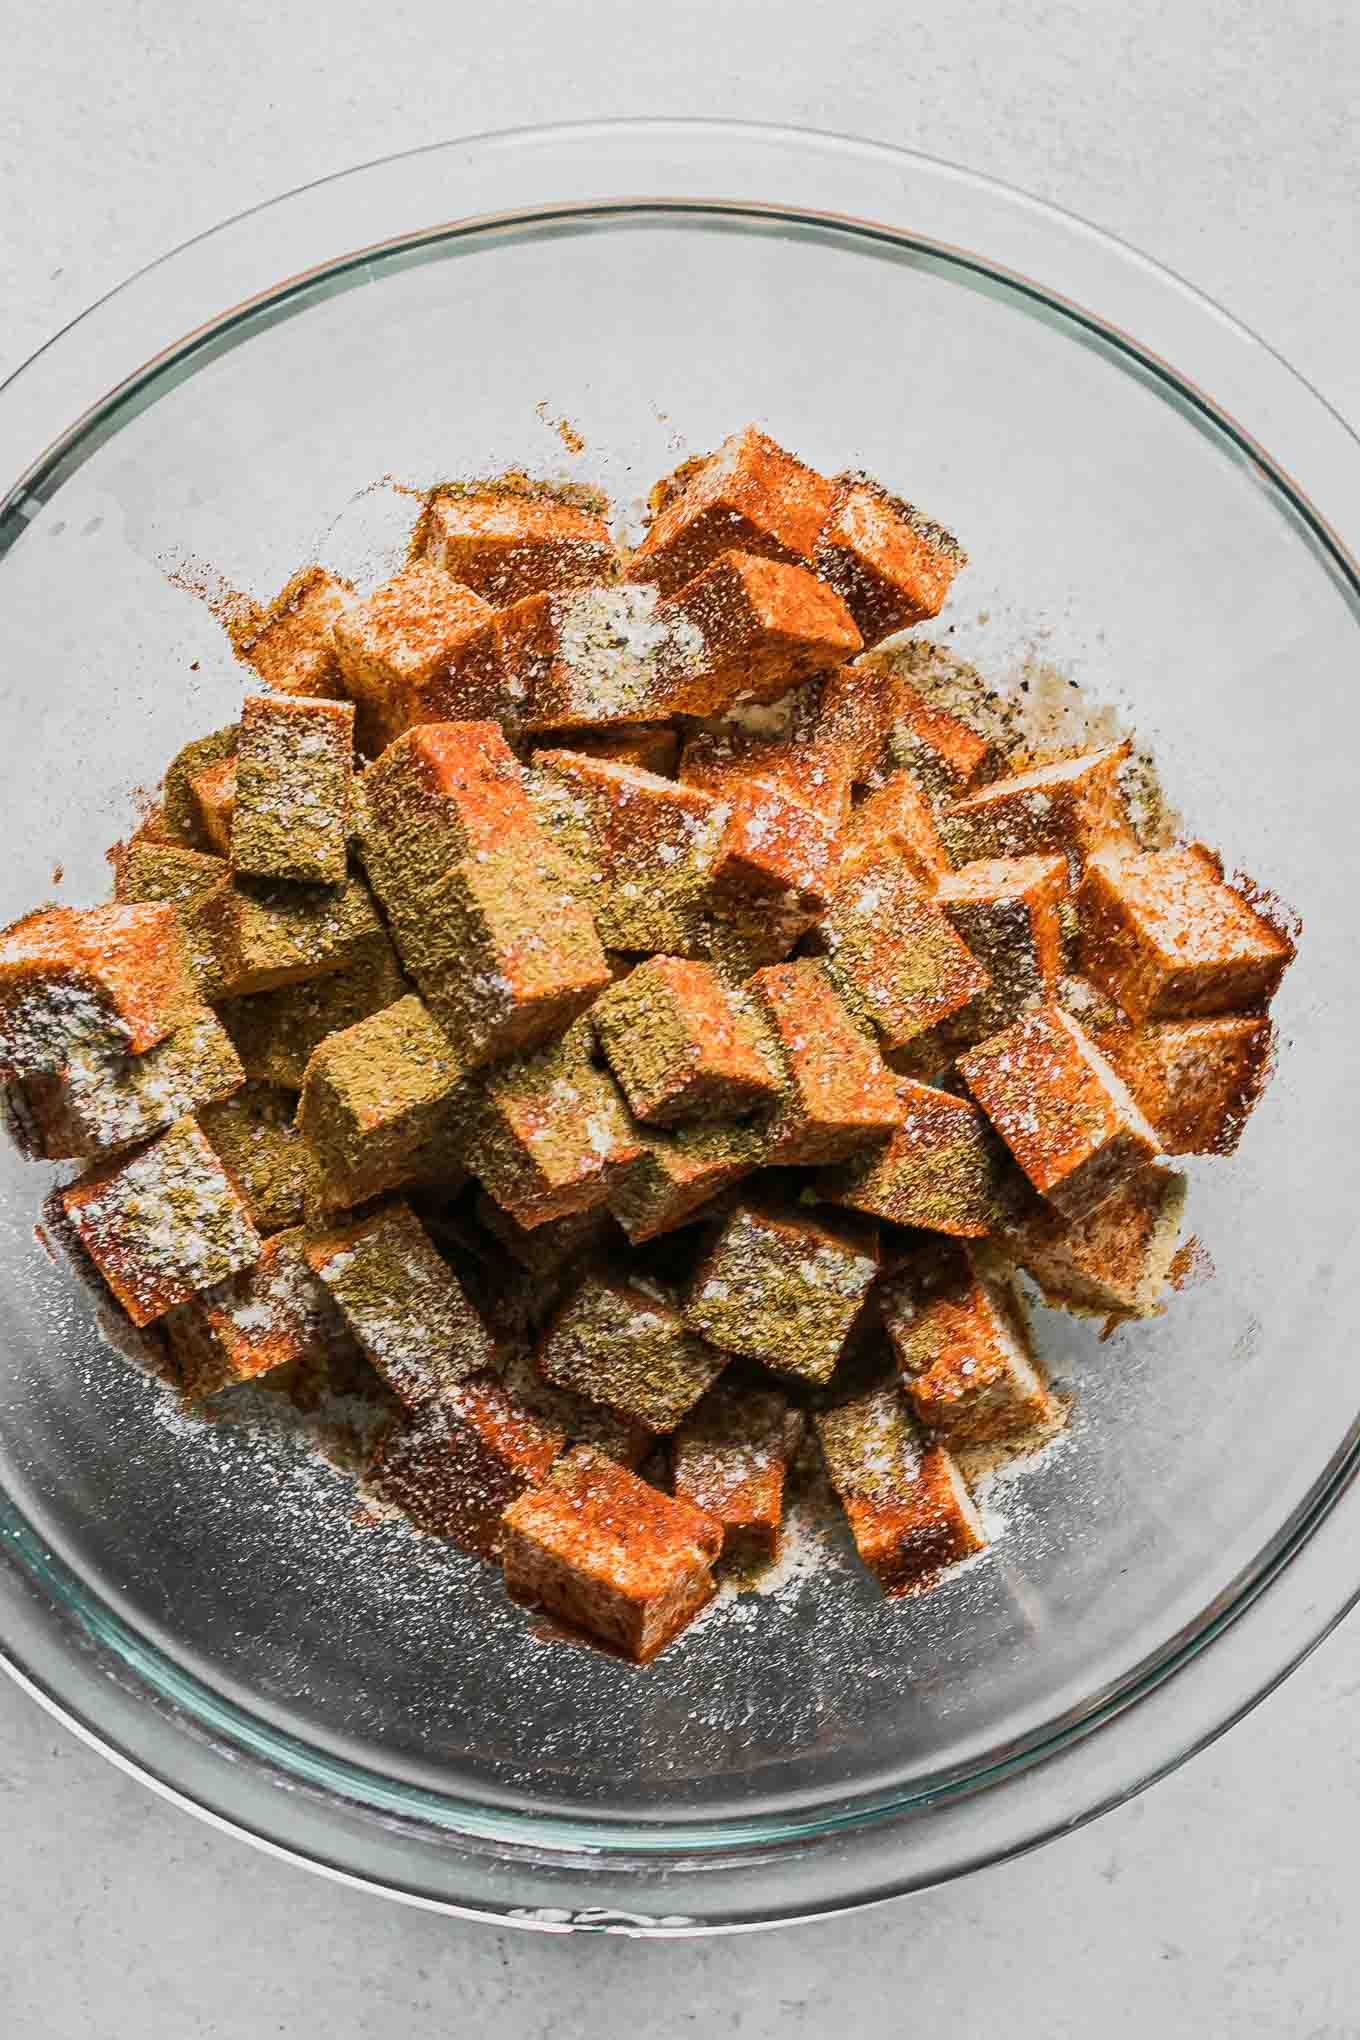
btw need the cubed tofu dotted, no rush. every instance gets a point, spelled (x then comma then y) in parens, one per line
(162, 1222)
(598, 1548)
(893, 954)
(750, 494)
(1060, 1108)
(735, 764)
(907, 1503)
(853, 715)
(1074, 807)
(763, 627)
(963, 1344)
(382, 1104)
(276, 1033)
(1164, 935)
(294, 789)
(836, 1095)
(627, 1348)
(456, 1463)
(944, 755)
(774, 848)
(1196, 1080)
(264, 933)
(507, 545)
(165, 872)
(895, 819)
(893, 565)
(253, 1136)
(580, 1421)
(396, 646)
(102, 1101)
(595, 658)
(1006, 910)
(402, 1302)
(730, 1457)
(292, 648)
(439, 793)
(677, 1171)
(681, 1044)
(275, 1314)
(942, 1169)
(109, 980)
(179, 818)
(1114, 1261)
(549, 1134)
(782, 1287)
(213, 793)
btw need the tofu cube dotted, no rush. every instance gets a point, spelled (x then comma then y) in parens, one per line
(213, 793)
(165, 872)
(892, 564)
(594, 658)
(294, 789)
(440, 793)
(508, 545)
(677, 1171)
(1061, 1110)
(111, 980)
(781, 1287)
(895, 821)
(750, 494)
(762, 628)
(293, 647)
(906, 1502)
(1164, 935)
(944, 755)
(963, 1344)
(549, 1133)
(853, 715)
(734, 764)
(942, 1169)
(1007, 911)
(276, 1033)
(598, 1548)
(102, 1100)
(382, 1104)
(836, 1095)
(276, 1314)
(774, 848)
(396, 646)
(264, 933)
(730, 1457)
(402, 1302)
(162, 1222)
(630, 1349)
(253, 1136)
(1112, 1262)
(580, 1421)
(680, 1044)
(455, 1464)
(893, 954)
(1196, 1080)
(179, 817)
(1073, 807)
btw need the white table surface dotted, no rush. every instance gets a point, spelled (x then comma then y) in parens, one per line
(1218, 135)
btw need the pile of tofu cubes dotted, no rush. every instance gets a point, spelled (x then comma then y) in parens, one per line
(602, 1005)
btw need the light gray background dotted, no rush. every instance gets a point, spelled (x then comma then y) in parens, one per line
(1222, 139)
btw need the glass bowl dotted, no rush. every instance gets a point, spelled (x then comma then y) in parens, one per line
(1152, 503)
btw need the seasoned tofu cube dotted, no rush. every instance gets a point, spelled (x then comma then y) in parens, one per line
(681, 1044)
(730, 1457)
(162, 1222)
(166, 872)
(111, 979)
(293, 647)
(402, 1302)
(439, 793)
(853, 715)
(677, 1171)
(749, 494)
(508, 545)
(276, 1314)
(629, 1349)
(1196, 1080)
(253, 1136)
(895, 820)
(581, 1421)
(893, 954)
(1073, 807)
(455, 1464)
(549, 1133)
(382, 1104)
(1164, 935)
(294, 789)
(906, 1502)
(735, 764)
(963, 1344)
(774, 848)
(104, 1100)
(276, 1033)
(652, 747)
(762, 628)
(835, 1093)
(1115, 1260)
(179, 817)
(594, 658)
(213, 794)
(944, 755)
(1061, 1110)
(782, 1287)
(263, 933)
(942, 1169)
(396, 646)
(597, 1547)
(893, 565)
(1006, 910)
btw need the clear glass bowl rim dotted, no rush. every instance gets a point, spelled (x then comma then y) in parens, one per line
(106, 1684)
